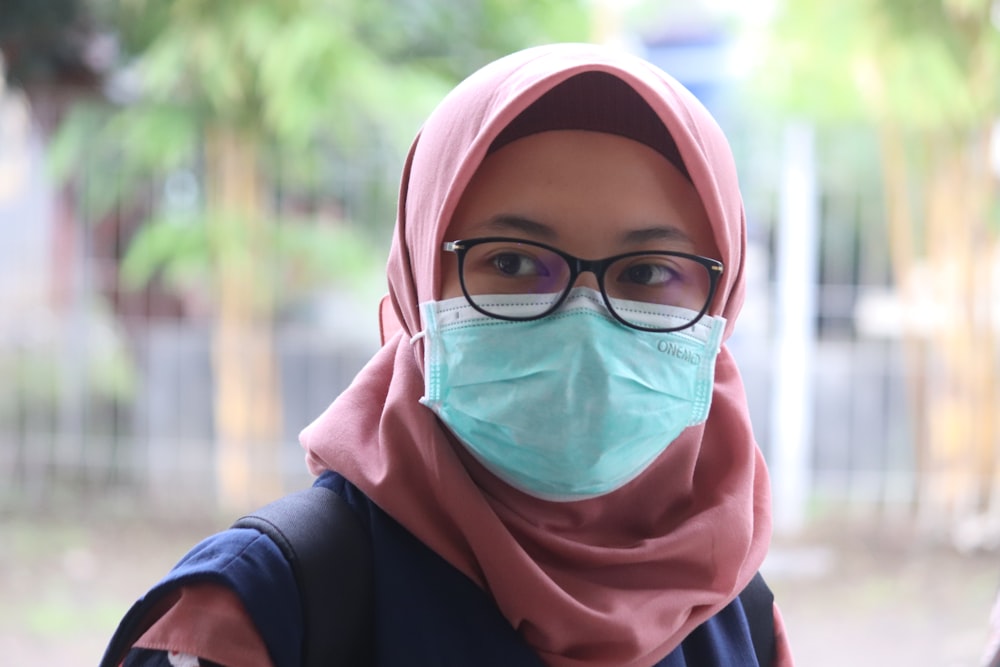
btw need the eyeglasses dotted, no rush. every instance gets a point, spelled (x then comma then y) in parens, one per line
(492, 266)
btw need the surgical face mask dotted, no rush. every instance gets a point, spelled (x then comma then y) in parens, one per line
(573, 405)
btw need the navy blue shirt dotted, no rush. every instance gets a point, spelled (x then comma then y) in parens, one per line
(427, 613)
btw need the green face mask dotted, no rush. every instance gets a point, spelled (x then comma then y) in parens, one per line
(570, 406)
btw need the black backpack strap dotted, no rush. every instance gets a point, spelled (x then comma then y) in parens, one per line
(758, 605)
(330, 554)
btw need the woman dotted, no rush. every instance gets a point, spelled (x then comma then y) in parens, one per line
(551, 453)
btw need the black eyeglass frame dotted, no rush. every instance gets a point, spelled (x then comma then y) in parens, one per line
(578, 266)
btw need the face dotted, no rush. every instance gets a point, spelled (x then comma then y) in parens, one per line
(590, 194)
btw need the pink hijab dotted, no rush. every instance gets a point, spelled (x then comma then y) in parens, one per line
(617, 580)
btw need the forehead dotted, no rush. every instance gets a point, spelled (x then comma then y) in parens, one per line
(593, 194)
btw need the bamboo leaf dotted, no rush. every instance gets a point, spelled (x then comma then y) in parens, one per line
(178, 247)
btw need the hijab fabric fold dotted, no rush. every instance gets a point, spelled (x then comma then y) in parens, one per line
(618, 580)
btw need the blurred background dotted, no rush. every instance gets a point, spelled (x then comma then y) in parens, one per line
(196, 200)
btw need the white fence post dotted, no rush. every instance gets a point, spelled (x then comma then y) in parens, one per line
(795, 311)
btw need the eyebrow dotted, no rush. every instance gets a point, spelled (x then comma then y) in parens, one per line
(506, 222)
(656, 233)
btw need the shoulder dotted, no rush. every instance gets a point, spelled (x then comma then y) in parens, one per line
(243, 562)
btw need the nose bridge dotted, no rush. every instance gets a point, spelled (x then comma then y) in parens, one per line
(588, 272)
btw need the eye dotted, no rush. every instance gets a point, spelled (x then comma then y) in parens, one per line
(649, 274)
(668, 279)
(518, 265)
(513, 267)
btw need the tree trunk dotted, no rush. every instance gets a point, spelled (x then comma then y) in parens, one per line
(901, 222)
(246, 385)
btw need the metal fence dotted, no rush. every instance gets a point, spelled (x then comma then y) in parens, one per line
(66, 436)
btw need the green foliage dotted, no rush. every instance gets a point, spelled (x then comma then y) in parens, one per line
(34, 376)
(186, 250)
(812, 59)
(917, 63)
(286, 68)
(454, 38)
(310, 252)
(29, 376)
(178, 247)
(136, 23)
(325, 90)
(114, 155)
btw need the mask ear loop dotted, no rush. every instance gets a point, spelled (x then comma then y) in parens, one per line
(388, 325)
